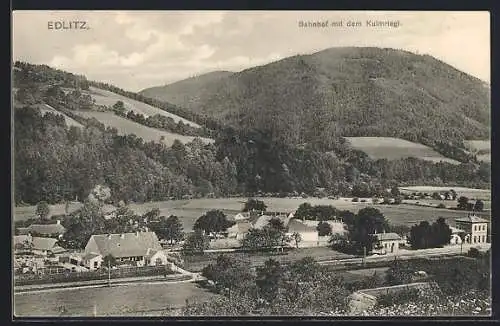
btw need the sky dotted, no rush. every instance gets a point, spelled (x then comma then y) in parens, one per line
(136, 50)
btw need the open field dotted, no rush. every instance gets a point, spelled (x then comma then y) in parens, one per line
(105, 97)
(481, 147)
(126, 126)
(133, 299)
(189, 210)
(484, 194)
(435, 202)
(396, 148)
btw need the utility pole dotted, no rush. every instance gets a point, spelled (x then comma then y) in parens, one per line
(364, 256)
(109, 273)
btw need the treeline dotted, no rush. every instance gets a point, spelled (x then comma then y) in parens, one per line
(54, 162)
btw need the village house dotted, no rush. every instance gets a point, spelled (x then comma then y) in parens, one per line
(54, 230)
(455, 238)
(127, 248)
(308, 234)
(239, 230)
(386, 243)
(475, 228)
(37, 245)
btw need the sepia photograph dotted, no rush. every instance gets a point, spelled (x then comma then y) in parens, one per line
(251, 163)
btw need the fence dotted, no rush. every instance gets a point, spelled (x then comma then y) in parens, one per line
(29, 279)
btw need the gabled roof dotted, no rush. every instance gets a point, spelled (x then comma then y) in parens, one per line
(387, 236)
(20, 239)
(47, 229)
(472, 218)
(240, 227)
(264, 220)
(23, 231)
(89, 256)
(298, 226)
(241, 216)
(41, 243)
(127, 244)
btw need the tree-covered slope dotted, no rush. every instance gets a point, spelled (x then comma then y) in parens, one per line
(347, 92)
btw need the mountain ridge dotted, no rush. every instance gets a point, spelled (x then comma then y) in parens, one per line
(348, 91)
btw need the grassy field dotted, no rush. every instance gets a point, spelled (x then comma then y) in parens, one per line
(105, 97)
(135, 299)
(481, 147)
(189, 210)
(126, 126)
(472, 193)
(395, 148)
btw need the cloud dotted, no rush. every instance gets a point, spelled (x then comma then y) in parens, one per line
(134, 50)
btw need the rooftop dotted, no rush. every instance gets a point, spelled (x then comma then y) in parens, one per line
(387, 236)
(472, 218)
(47, 229)
(127, 244)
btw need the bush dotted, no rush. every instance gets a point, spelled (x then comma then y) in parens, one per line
(404, 296)
(441, 205)
(363, 200)
(355, 200)
(474, 253)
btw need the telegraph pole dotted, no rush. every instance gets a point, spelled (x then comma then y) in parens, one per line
(109, 273)
(364, 256)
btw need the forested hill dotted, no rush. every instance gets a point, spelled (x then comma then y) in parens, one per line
(346, 92)
(55, 162)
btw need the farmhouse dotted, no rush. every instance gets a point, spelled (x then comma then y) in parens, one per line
(475, 228)
(92, 261)
(455, 235)
(37, 245)
(239, 230)
(241, 216)
(387, 242)
(264, 220)
(44, 230)
(308, 234)
(127, 248)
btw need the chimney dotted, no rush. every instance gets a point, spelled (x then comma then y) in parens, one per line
(58, 222)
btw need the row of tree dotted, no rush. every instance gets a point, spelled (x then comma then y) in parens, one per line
(426, 235)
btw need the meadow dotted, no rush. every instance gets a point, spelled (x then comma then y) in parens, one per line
(395, 148)
(481, 147)
(104, 97)
(126, 126)
(132, 299)
(471, 193)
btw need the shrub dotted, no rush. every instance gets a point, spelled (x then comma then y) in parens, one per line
(355, 200)
(441, 205)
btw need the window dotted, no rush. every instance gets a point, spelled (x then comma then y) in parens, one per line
(484, 240)
(474, 239)
(95, 264)
(475, 227)
(484, 227)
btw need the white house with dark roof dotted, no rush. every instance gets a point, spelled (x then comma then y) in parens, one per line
(386, 242)
(308, 234)
(126, 248)
(475, 228)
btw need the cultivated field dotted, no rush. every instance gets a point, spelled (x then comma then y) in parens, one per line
(395, 148)
(472, 193)
(190, 210)
(129, 300)
(104, 97)
(126, 126)
(481, 147)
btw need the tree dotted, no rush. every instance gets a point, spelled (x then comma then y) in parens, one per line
(119, 107)
(395, 191)
(269, 279)
(196, 243)
(214, 221)
(324, 229)
(420, 235)
(463, 203)
(109, 260)
(297, 238)
(230, 274)
(479, 205)
(254, 205)
(173, 228)
(441, 233)
(42, 210)
(367, 222)
(304, 211)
